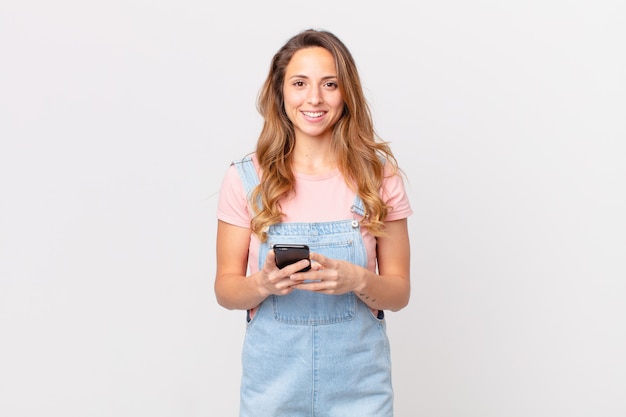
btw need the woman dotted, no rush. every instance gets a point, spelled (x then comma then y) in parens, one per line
(316, 342)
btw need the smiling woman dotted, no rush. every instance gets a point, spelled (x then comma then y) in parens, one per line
(316, 341)
(313, 101)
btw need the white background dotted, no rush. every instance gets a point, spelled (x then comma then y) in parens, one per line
(118, 120)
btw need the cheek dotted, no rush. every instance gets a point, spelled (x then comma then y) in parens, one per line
(337, 102)
(339, 108)
(292, 101)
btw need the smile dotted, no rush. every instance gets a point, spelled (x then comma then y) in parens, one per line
(313, 114)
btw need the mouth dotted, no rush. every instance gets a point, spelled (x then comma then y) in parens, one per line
(313, 114)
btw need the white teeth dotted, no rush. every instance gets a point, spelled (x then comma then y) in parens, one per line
(316, 114)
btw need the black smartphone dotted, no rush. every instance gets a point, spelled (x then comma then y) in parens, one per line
(287, 254)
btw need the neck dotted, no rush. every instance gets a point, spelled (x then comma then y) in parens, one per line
(314, 160)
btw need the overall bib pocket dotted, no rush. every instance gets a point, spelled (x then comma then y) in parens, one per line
(309, 308)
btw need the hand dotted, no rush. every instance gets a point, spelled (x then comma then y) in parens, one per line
(329, 276)
(274, 281)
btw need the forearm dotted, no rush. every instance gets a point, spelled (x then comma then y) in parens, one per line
(236, 292)
(233, 289)
(389, 289)
(384, 292)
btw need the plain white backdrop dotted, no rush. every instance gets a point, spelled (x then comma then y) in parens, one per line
(118, 120)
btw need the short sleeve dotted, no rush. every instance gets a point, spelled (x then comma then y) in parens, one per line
(232, 204)
(394, 194)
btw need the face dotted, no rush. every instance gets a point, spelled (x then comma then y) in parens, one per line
(313, 101)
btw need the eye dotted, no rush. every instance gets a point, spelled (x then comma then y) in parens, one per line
(298, 83)
(331, 85)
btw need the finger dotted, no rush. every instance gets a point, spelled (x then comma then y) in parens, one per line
(318, 286)
(285, 284)
(270, 261)
(306, 276)
(311, 286)
(316, 266)
(319, 258)
(296, 267)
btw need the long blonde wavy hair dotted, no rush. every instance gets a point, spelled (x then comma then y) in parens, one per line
(361, 155)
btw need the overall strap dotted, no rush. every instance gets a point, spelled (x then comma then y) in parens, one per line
(247, 172)
(357, 206)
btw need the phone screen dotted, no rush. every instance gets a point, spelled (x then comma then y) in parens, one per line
(287, 254)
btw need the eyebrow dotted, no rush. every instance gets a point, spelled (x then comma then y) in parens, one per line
(327, 77)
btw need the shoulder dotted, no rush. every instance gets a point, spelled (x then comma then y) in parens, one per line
(245, 159)
(240, 168)
(249, 161)
(232, 206)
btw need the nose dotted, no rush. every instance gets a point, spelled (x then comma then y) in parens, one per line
(315, 96)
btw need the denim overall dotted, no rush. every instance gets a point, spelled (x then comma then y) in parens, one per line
(310, 354)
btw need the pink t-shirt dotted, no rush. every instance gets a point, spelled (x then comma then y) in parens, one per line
(317, 198)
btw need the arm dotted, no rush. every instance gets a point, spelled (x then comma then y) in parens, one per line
(388, 290)
(232, 288)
